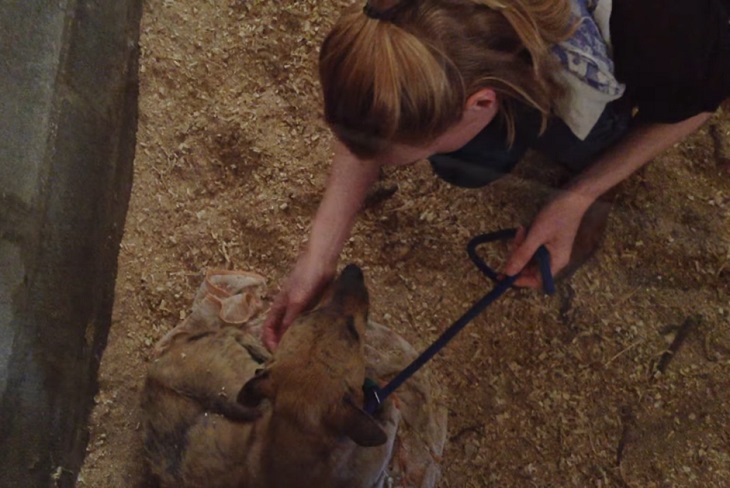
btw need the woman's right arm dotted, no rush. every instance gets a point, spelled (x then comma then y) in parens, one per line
(348, 183)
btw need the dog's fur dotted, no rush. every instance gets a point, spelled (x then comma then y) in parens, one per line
(215, 418)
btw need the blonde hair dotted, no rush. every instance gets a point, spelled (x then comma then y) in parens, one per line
(406, 79)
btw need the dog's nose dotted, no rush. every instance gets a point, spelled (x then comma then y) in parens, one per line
(351, 285)
(352, 272)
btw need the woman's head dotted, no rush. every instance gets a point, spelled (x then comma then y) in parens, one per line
(405, 78)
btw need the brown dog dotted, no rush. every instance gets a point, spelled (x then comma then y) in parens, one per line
(295, 423)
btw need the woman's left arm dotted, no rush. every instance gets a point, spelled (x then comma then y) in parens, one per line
(556, 225)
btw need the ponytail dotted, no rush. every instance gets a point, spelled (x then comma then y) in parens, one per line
(402, 71)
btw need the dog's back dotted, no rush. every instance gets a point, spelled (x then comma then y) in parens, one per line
(194, 426)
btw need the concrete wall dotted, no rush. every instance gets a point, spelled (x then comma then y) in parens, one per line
(68, 114)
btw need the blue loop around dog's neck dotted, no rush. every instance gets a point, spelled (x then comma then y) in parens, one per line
(375, 395)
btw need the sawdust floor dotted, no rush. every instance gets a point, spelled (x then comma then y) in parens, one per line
(542, 391)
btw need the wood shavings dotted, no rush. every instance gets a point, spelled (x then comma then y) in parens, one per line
(231, 160)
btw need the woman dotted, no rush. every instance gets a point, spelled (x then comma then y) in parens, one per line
(472, 84)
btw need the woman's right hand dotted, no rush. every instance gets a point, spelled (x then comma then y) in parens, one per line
(348, 183)
(300, 291)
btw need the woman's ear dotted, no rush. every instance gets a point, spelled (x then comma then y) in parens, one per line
(484, 98)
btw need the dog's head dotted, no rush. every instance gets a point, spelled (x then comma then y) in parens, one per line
(314, 381)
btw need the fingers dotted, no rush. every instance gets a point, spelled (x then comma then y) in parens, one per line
(529, 279)
(526, 245)
(272, 326)
(518, 239)
(519, 236)
(522, 254)
(282, 314)
(286, 307)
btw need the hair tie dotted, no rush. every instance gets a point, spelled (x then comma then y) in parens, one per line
(384, 15)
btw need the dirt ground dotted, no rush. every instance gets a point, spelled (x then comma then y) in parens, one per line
(560, 391)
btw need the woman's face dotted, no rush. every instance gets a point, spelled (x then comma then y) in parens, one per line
(476, 117)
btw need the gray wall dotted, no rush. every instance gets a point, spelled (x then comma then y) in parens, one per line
(68, 114)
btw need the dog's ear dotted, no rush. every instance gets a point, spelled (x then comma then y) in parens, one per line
(360, 426)
(256, 389)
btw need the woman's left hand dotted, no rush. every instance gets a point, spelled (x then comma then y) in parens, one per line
(557, 224)
(555, 227)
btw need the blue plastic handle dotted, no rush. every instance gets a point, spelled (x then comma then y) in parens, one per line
(542, 256)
